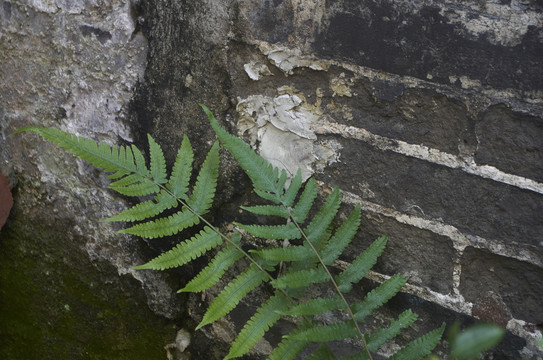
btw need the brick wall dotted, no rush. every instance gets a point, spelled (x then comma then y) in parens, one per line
(427, 115)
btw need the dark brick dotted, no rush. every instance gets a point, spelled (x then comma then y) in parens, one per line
(472, 204)
(517, 283)
(417, 116)
(385, 35)
(425, 258)
(511, 141)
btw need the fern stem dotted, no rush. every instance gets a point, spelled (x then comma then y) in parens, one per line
(334, 283)
(230, 242)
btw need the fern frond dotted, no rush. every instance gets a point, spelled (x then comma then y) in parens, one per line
(290, 253)
(147, 209)
(182, 169)
(184, 252)
(421, 346)
(377, 297)
(232, 294)
(262, 173)
(316, 306)
(157, 161)
(304, 204)
(287, 349)
(100, 155)
(143, 188)
(165, 226)
(336, 331)
(269, 210)
(322, 220)
(342, 237)
(204, 191)
(322, 353)
(361, 265)
(377, 339)
(288, 231)
(212, 273)
(293, 188)
(258, 325)
(301, 278)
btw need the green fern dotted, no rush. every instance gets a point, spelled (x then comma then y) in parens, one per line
(319, 243)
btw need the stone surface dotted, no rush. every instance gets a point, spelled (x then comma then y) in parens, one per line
(517, 283)
(426, 114)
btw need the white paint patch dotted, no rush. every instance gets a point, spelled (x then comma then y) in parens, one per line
(281, 129)
(256, 70)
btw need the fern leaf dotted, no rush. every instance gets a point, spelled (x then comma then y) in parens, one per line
(322, 353)
(342, 237)
(288, 349)
(324, 217)
(165, 226)
(126, 181)
(377, 297)
(288, 231)
(260, 172)
(274, 198)
(256, 327)
(140, 161)
(377, 339)
(293, 188)
(361, 265)
(301, 278)
(232, 294)
(100, 155)
(206, 183)
(182, 169)
(143, 188)
(336, 331)
(316, 306)
(282, 180)
(146, 209)
(269, 210)
(291, 253)
(300, 211)
(212, 273)
(157, 163)
(185, 252)
(421, 346)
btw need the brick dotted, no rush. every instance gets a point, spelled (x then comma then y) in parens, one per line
(426, 259)
(472, 204)
(517, 283)
(510, 141)
(417, 116)
(410, 40)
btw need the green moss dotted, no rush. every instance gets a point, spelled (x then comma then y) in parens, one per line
(55, 304)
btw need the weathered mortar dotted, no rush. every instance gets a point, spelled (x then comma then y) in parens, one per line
(427, 114)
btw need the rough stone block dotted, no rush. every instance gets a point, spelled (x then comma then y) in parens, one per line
(424, 258)
(472, 204)
(417, 116)
(517, 283)
(510, 141)
(409, 38)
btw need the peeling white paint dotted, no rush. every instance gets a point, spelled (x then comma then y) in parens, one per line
(288, 59)
(256, 70)
(281, 129)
